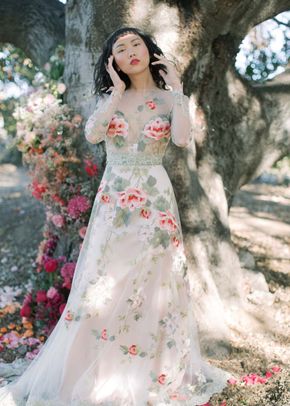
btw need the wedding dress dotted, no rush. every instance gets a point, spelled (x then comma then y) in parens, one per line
(127, 335)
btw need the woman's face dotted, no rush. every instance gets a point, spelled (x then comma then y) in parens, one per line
(127, 50)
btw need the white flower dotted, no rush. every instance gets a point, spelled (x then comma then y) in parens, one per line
(137, 299)
(99, 292)
(8, 294)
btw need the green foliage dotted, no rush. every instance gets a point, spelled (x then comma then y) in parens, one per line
(265, 49)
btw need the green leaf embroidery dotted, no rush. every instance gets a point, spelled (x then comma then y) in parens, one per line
(160, 237)
(120, 184)
(141, 146)
(151, 180)
(171, 343)
(161, 204)
(122, 217)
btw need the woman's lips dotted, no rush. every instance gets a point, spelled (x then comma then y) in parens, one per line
(134, 61)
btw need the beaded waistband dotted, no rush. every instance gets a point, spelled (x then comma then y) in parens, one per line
(133, 159)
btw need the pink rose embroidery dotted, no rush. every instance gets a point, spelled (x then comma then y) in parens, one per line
(68, 316)
(104, 334)
(175, 241)
(133, 349)
(101, 186)
(117, 126)
(161, 379)
(157, 129)
(132, 198)
(151, 104)
(105, 198)
(167, 221)
(145, 213)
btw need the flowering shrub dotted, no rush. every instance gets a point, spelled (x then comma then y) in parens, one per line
(64, 176)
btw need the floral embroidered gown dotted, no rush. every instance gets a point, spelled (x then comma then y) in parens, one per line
(127, 336)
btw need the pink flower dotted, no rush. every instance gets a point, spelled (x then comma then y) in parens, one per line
(268, 374)
(32, 341)
(157, 129)
(40, 296)
(232, 381)
(32, 354)
(27, 299)
(167, 221)
(118, 126)
(132, 198)
(253, 379)
(58, 220)
(224, 403)
(67, 270)
(78, 205)
(50, 265)
(82, 231)
(276, 369)
(52, 293)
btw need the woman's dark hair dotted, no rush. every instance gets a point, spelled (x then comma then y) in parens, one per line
(102, 79)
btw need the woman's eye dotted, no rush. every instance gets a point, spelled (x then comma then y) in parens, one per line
(136, 44)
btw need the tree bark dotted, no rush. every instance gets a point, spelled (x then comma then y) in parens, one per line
(240, 128)
(35, 26)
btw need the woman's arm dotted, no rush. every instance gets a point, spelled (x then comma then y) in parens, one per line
(97, 124)
(181, 122)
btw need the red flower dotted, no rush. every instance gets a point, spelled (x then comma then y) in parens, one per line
(37, 189)
(91, 168)
(58, 199)
(25, 311)
(50, 265)
(41, 296)
(61, 308)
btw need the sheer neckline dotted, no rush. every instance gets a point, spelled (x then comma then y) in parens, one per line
(144, 92)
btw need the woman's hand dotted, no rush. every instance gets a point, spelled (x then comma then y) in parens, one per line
(117, 82)
(171, 78)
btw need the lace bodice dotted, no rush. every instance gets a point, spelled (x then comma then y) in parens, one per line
(140, 123)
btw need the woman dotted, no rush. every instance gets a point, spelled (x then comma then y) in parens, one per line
(127, 335)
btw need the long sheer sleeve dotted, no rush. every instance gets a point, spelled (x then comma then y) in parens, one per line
(97, 124)
(181, 120)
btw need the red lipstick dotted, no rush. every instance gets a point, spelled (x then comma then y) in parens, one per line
(134, 61)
